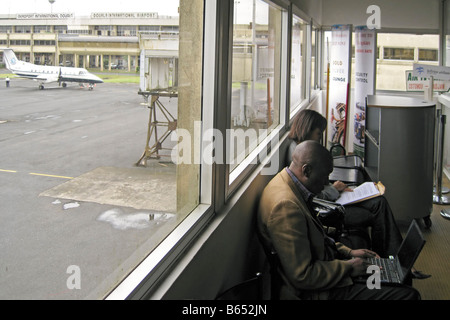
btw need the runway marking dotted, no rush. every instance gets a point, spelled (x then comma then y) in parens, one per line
(38, 174)
(49, 175)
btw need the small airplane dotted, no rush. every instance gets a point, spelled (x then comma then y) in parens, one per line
(48, 74)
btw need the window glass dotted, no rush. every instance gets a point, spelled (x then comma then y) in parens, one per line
(92, 182)
(428, 54)
(397, 52)
(446, 110)
(298, 56)
(326, 58)
(256, 74)
(314, 35)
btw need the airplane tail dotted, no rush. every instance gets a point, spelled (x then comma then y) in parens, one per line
(10, 58)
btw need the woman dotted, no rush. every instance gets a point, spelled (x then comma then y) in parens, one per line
(375, 213)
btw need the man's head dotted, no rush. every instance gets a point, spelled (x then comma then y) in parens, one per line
(312, 163)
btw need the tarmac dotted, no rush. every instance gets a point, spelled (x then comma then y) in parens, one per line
(71, 193)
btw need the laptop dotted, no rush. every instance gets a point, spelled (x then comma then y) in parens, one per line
(395, 269)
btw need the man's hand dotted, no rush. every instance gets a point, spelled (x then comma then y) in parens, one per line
(359, 262)
(359, 266)
(363, 253)
(340, 186)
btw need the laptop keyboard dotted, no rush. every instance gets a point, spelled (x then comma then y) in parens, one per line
(388, 272)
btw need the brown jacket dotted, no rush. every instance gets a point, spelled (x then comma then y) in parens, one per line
(287, 227)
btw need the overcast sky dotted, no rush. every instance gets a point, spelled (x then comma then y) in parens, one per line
(85, 7)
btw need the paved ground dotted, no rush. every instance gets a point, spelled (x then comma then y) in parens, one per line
(72, 201)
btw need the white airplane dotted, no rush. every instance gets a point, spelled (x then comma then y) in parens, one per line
(48, 74)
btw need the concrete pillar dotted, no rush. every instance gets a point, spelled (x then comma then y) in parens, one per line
(189, 97)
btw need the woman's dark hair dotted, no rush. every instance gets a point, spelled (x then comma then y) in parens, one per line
(304, 123)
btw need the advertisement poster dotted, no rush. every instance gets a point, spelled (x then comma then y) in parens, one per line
(418, 84)
(338, 87)
(365, 46)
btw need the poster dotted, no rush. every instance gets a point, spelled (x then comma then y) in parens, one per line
(415, 83)
(365, 49)
(338, 86)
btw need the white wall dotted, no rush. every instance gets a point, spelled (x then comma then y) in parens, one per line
(312, 8)
(398, 14)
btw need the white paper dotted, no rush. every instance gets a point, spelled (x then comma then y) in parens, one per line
(365, 190)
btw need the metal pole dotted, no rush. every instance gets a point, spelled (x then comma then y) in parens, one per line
(442, 189)
(438, 198)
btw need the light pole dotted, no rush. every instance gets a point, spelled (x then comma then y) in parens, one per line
(236, 2)
(51, 4)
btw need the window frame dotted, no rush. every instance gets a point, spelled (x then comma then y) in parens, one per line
(148, 275)
(306, 67)
(151, 277)
(233, 179)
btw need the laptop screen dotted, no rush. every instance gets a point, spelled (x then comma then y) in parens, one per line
(410, 247)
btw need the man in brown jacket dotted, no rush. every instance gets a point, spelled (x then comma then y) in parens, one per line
(310, 265)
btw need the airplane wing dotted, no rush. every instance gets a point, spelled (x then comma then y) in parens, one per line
(47, 79)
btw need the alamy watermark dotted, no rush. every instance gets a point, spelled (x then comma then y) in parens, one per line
(208, 147)
(374, 21)
(374, 280)
(74, 280)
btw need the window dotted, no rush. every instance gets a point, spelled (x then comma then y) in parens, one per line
(44, 42)
(314, 57)
(60, 29)
(298, 58)
(172, 30)
(23, 29)
(258, 29)
(428, 54)
(38, 29)
(326, 58)
(126, 30)
(150, 29)
(5, 29)
(105, 252)
(398, 53)
(104, 30)
(75, 31)
(20, 42)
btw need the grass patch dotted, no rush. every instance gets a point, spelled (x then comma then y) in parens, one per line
(115, 78)
(107, 78)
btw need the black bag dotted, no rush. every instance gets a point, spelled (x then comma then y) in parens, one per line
(330, 214)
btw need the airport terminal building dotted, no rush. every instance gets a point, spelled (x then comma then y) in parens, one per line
(234, 76)
(104, 40)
